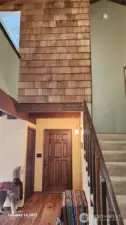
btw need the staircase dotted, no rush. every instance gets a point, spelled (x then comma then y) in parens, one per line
(114, 151)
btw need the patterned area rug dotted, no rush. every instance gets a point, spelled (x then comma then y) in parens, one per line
(74, 203)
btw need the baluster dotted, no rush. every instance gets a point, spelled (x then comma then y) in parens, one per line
(90, 166)
(85, 135)
(103, 197)
(94, 178)
(98, 200)
(87, 141)
(91, 162)
(89, 151)
(112, 218)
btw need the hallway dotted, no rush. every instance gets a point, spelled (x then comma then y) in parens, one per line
(40, 209)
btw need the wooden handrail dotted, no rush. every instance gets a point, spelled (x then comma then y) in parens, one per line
(99, 178)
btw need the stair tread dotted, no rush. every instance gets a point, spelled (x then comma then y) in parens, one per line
(114, 151)
(121, 199)
(113, 145)
(113, 142)
(116, 163)
(118, 178)
(111, 135)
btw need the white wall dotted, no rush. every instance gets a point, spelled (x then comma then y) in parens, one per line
(13, 144)
(108, 49)
(12, 149)
(9, 67)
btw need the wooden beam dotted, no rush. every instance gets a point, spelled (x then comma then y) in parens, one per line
(49, 107)
(4, 1)
(55, 115)
(8, 105)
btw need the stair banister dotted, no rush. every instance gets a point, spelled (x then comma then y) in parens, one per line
(104, 200)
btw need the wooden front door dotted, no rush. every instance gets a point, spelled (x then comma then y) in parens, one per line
(57, 160)
(30, 163)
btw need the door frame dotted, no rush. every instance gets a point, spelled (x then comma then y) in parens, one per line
(44, 147)
(33, 130)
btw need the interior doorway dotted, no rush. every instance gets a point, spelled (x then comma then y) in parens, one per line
(30, 163)
(57, 161)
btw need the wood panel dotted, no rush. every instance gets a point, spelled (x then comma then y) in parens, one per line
(55, 115)
(121, 2)
(57, 169)
(30, 163)
(49, 107)
(4, 1)
(55, 51)
(8, 105)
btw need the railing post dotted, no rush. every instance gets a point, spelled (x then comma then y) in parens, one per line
(112, 218)
(90, 156)
(94, 177)
(89, 153)
(98, 199)
(88, 150)
(85, 132)
(104, 205)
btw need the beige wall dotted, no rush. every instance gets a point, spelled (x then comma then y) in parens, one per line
(13, 151)
(12, 142)
(9, 67)
(108, 41)
(65, 123)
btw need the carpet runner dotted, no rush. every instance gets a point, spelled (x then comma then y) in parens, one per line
(74, 203)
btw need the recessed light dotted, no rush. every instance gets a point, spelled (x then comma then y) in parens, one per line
(105, 16)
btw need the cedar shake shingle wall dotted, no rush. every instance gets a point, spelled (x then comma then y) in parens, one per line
(55, 50)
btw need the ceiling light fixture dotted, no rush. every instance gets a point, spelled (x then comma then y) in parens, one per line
(105, 16)
(78, 129)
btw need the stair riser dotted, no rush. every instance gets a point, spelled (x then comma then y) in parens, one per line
(123, 211)
(119, 187)
(114, 157)
(114, 152)
(112, 146)
(124, 221)
(116, 170)
(112, 137)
